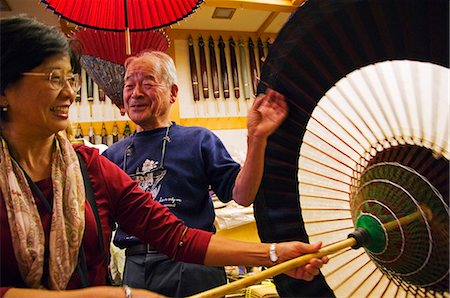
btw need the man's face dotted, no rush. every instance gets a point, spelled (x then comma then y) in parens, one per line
(147, 98)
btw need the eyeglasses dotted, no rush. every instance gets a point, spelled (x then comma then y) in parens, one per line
(58, 78)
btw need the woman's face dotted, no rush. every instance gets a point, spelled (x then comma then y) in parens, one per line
(35, 105)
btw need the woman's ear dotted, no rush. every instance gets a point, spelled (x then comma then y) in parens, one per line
(3, 108)
(3, 102)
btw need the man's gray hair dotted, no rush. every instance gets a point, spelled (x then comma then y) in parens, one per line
(160, 62)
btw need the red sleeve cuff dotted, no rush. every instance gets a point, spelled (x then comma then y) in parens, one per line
(194, 247)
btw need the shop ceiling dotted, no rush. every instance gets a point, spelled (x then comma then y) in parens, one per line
(258, 16)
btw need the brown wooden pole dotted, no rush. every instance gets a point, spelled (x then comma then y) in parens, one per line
(244, 71)
(193, 67)
(90, 92)
(252, 61)
(224, 68)
(275, 270)
(214, 71)
(261, 55)
(203, 69)
(234, 71)
(234, 68)
(127, 30)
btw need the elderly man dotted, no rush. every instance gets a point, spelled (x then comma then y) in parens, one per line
(178, 165)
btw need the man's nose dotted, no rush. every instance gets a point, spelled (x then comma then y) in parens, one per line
(137, 91)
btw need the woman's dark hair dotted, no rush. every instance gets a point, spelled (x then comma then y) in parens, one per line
(25, 44)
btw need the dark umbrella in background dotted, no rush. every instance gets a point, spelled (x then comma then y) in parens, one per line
(123, 15)
(107, 75)
(365, 144)
(365, 82)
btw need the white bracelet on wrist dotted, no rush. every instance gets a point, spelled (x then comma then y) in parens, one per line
(273, 253)
(128, 293)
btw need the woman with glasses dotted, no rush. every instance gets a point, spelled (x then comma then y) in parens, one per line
(58, 202)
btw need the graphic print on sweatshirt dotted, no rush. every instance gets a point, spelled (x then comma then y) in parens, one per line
(150, 177)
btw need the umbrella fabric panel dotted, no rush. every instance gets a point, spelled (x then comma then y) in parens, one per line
(111, 14)
(110, 46)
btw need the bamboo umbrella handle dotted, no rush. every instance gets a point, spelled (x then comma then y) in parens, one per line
(275, 270)
(360, 233)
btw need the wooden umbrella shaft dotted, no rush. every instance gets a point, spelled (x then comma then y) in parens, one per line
(213, 67)
(234, 69)
(193, 67)
(244, 71)
(253, 70)
(260, 53)
(203, 70)
(275, 270)
(224, 69)
(127, 29)
(89, 87)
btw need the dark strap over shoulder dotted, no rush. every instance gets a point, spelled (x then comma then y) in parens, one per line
(82, 267)
(91, 199)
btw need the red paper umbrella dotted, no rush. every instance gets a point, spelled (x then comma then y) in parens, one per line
(118, 15)
(123, 15)
(109, 45)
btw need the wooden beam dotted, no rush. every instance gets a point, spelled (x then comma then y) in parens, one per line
(298, 3)
(184, 33)
(266, 5)
(267, 23)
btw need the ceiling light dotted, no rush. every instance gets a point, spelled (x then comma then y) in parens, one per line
(223, 13)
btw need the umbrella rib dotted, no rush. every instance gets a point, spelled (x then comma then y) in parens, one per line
(350, 276)
(326, 220)
(326, 176)
(326, 154)
(326, 209)
(323, 197)
(333, 146)
(324, 187)
(345, 264)
(331, 231)
(375, 269)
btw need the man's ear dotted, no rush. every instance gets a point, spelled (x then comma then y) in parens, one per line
(173, 93)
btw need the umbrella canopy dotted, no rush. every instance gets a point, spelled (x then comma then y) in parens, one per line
(109, 45)
(107, 75)
(366, 83)
(118, 15)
